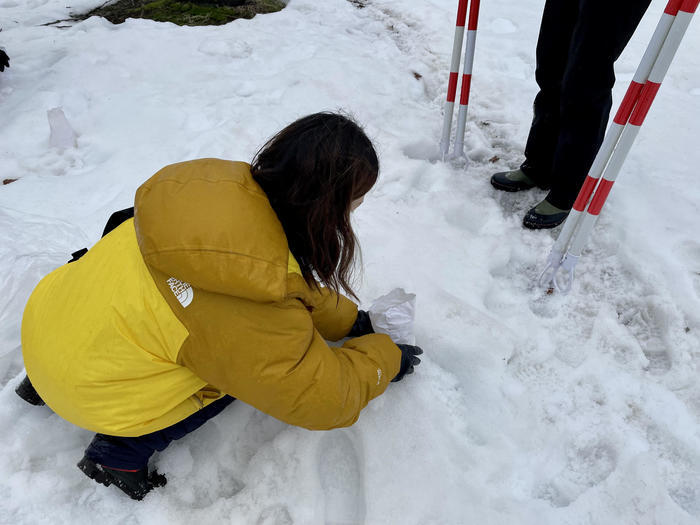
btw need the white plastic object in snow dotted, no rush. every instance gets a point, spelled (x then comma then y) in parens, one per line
(62, 134)
(393, 314)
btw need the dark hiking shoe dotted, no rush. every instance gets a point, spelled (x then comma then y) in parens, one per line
(544, 216)
(134, 483)
(514, 180)
(26, 391)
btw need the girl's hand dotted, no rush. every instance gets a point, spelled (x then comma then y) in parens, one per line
(408, 360)
(362, 326)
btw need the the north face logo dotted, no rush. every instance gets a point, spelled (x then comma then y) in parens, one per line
(182, 290)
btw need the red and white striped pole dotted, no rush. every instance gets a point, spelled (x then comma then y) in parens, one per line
(618, 142)
(555, 259)
(454, 75)
(466, 77)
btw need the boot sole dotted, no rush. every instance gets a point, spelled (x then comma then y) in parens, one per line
(511, 188)
(542, 226)
(92, 471)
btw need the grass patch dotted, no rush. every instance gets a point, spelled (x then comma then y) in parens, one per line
(183, 13)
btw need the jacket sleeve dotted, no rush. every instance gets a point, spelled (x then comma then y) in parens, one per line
(283, 367)
(333, 314)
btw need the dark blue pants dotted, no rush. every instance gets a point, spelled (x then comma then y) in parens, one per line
(579, 42)
(133, 453)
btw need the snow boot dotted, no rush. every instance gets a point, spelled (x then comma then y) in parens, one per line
(544, 215)
(26, 391)
(514, 180)
(134, 483)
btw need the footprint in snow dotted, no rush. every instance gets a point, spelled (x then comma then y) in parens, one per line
(275, 515)
(340, 475)
(685, 491)
(680, 461)
(586, 467)
(690, 251)
(650, 326)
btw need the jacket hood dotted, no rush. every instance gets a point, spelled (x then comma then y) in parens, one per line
(208, 223)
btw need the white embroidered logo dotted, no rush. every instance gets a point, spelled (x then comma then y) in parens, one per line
(182, 290)
(379, 375)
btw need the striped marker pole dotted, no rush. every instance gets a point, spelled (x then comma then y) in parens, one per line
(555, 259)
(617, 143)
(454, 74)
(466, 77)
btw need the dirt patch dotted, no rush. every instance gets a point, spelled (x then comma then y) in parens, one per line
(183, 13)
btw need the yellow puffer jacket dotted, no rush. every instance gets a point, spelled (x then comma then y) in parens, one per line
(196, 297)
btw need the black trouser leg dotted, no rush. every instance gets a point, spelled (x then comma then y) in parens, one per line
(133, 453)
(556, 31)
(602, 31)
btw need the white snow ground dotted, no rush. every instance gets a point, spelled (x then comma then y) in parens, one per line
(527, 409)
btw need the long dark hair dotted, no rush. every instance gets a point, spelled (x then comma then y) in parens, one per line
(312, 171)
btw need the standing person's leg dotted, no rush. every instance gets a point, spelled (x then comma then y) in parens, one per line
(123, 461)
(603, 30)
(556, 30)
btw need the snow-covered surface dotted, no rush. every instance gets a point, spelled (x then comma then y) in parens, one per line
(527, 409)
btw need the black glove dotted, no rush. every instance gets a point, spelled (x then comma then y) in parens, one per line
(4, 60)
(362, 326)
(408, 360)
